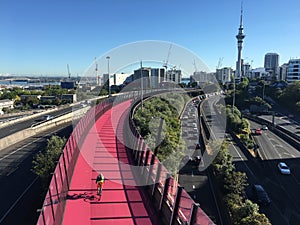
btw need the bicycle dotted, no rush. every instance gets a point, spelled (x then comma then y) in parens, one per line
(99, 187)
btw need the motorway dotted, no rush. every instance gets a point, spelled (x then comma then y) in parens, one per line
(284, 122)
(15, 127)
(21, 191)
(194, 181)
(283, 190)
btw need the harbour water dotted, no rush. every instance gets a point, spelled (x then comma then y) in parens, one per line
(26, 84)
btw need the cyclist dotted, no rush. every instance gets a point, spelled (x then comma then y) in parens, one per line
(100, 182)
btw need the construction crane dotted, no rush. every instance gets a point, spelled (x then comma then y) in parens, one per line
(167, 60)
(69, 74)
(96, 70)
(220, 62)
(194, 63)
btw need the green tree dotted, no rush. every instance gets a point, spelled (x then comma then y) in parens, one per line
(235, 182)
(167, 108)
(45, 161)
(248, 213)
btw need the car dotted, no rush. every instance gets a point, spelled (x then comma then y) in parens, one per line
(260, 195)
(264, 127)
(47, 117)
(258, 131)
(283, 168)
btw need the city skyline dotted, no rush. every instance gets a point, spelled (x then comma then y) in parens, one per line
(41, 38)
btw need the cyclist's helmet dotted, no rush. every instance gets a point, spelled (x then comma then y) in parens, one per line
(101, 176)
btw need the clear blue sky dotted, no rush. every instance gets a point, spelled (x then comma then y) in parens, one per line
(41, 37)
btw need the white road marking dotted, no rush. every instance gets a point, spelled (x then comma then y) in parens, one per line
(242, 160)
(15, 151)
(32, 181)
(8, 211)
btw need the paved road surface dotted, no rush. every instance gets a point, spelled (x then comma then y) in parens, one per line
(8, 130)
(21, 192)
(284, 191)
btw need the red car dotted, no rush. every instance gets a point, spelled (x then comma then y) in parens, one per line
(258, 131)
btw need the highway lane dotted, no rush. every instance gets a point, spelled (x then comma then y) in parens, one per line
(196, 182)
(21, 192)
(10, 129)
(284, 122)
(283, 190)
(216, 123)
(273, 147)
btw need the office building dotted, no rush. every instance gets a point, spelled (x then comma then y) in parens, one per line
(283, 71)
(118, 78)
(157, 76)
(223, 75)
(174, 76)
(293, 71)
(260, 73)
(271, 65)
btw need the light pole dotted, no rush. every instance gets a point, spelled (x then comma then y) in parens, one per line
(263, 94)
(233, 97)
(109, 91)
(142, 84)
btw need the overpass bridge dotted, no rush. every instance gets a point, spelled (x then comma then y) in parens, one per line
(96, 145)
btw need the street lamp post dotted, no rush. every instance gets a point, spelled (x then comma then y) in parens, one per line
(263, 94)
(109, 91)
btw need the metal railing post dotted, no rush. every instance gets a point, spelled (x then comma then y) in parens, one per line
(66, 172)
(156, 178)
(165, 192)
(176, 205)
(193, 214)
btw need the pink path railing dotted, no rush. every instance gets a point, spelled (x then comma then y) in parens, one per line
(52, 210)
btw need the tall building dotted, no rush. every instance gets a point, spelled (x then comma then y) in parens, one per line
(145, 73)
(271, 65)
(174, 76)
(240, 36)
(283, 71)
(223, 75)
(119, 78)
(293, 71)
(157, 76)
(246, 70)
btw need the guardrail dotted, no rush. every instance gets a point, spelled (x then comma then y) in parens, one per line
(171, 200)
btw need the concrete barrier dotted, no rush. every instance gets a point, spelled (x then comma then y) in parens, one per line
(11, 122)
(29, 132)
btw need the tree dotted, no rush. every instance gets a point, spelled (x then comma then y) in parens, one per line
(248, 214)
(166, 108)
(45, 161)
(222, 164)
(235, 182)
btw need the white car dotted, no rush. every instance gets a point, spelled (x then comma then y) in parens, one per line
(283, 168)
(264, 127)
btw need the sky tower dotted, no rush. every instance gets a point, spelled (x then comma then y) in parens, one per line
(240, 36)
